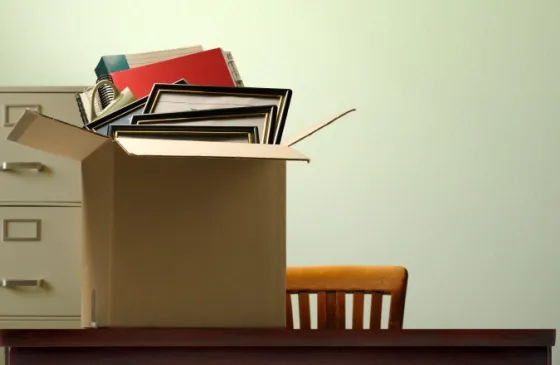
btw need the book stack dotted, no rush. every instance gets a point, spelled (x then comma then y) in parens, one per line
(186, 94)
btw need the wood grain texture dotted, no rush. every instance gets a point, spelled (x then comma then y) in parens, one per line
(112, 337)
(332, 283)
(277, 347)
(42, 89)
(272, 356)
(358, 307)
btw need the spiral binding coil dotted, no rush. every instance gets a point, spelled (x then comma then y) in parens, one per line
(106, 94)
(82, 111)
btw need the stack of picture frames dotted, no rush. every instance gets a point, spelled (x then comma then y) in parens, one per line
(201, 113)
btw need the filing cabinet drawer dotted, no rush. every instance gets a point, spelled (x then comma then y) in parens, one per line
(30, 175)
(40, 275)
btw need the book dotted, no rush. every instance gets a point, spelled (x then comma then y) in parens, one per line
(233, 69)
(203, 68)
(113, 63)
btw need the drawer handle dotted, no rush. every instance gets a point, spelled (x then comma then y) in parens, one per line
(16, 283)
(18, 166)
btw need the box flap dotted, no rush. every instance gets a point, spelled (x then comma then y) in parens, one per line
(314, 128)
(49, 135)
(162, 147)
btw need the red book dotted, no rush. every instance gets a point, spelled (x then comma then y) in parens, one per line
(208, 68)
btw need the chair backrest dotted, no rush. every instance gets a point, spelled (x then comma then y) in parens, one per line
(332, 283)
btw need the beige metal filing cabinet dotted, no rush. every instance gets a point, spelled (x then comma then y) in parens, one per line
(40, 219)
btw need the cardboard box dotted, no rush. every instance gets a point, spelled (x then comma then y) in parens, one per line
(177, 233)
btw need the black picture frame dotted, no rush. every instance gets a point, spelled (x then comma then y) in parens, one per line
(122, 115)
(262, 117)
(188, 98)
(239, 134)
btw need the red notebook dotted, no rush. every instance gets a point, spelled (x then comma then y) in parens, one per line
(207, 68)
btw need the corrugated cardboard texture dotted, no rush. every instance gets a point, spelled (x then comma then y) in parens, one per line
(53, 136)
(309, 131)
(167, 147)
(97, 222)
(195, 242)
(176, 241)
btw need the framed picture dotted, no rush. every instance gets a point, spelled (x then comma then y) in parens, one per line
(120, 116)
(262, 117)
(166, 98)
(239, 134)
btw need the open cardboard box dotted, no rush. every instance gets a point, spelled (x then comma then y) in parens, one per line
(177, 233)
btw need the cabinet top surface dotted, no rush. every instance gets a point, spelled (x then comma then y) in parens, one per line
(275, 338)
(42, 89)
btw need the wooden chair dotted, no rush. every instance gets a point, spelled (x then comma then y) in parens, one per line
(331, 283)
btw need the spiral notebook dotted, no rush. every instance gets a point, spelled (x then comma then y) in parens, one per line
(104, 98)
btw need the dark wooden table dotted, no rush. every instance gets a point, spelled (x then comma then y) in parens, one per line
(328, 347)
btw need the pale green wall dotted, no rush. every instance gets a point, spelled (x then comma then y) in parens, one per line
(449, 167)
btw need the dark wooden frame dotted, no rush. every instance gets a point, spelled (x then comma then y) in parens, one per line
(327, 347)
(122, 112)
(282, 98)
(267, 112)
(183, 132)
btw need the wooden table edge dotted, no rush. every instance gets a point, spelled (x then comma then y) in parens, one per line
(152, 337)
